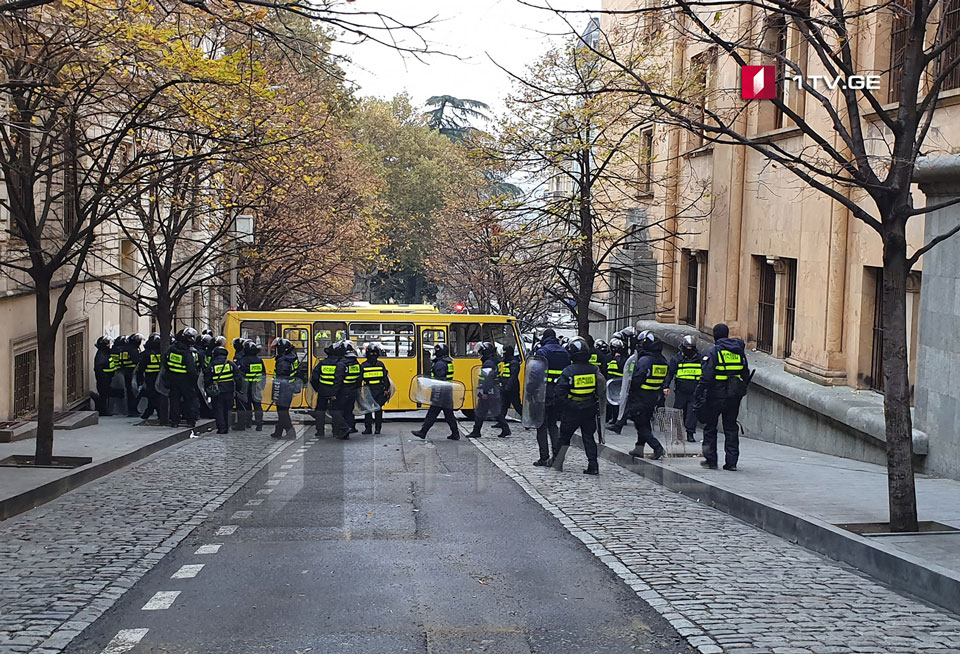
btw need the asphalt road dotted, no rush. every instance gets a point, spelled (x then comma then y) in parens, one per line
(381, 544)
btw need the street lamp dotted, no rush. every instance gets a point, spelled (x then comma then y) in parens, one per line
(242, 233)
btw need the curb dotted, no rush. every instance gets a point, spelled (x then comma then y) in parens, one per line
(35, 497)
(886, 564)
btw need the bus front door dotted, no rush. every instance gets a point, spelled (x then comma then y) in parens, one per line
(299, 336)
(430, 336)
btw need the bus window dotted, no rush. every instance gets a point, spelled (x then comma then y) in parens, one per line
(299, 337)
(327, 333)
(501, 334)
(464, 337)
(261, 332)
(395, 338)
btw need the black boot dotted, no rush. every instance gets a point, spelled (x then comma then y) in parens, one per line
(593, 468)
(637, 451)
(658, 454)
(453, 437)
(504, 432)
(419, 435)
(616, 429)
(473, 434)
(367, 431)
(690, 438)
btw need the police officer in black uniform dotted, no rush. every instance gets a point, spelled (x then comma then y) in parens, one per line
(104, 368)
(252, 372)
(646, 392)
(557, 359)
(684, 371)
(614, 370)
(374, 374)
(288, 376)
(180, 373)
(347, 385)
(441, 369)
(222, 377)
(148, 369)
(129, 358)
(723, 384)
(577, 390)
(323, 380)
(488, 391)
(510, 381)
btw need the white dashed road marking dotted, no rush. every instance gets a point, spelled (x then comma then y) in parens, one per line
(264, 491)
(162, 600)
(227, 530)
(254, 503)
(187, 571)
(279, 474)
(286, 466)
(208, 549)
(272, 482)
(125, 640)
(241, 515)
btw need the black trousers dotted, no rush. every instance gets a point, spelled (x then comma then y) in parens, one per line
(586, 421)
(376, 416)
(642, 416)
(433, 412)
(510, 398)
(249, 406)
(103, 395)
(183, 400)
(129, 393)
(155, 401)
(728, 410)
(320, 412)
(549, 428)
(222, 406)
(284, 423)
(487, 407)
(684, 401)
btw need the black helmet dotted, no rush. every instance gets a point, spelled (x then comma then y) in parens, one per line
(206, 340)
(486, 349)
(153, 342)
(348, 348)
(617, 345)
(440, 350)
(207, 332)
(646, 339)
(220, 351)
(579, 349)
(375, 351)
(328, 350)
(339, 348)
(135, 340)
(220, 341)
(121, 341)
(238, 344)
(601, 346)
(103, 343)
(251, 348)
(628, 333)
(689, 344)
(282, 346)
(189, 336)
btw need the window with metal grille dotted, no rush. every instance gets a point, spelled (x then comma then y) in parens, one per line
(698, 106)
(25, 384)
(876, 357)
(791, 309)
(646, 161)
(623, 292)
(899, 28)
(766, 307)
(693, 287)
(949, 29)
(76, 379)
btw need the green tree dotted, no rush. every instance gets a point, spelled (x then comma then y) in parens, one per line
(452, 116)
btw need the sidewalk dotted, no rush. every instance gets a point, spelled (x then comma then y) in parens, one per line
(113, 443)
(803, 495)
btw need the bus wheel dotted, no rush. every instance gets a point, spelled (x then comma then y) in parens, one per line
(468, 413)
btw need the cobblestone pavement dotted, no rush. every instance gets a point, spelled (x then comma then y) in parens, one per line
(724, 585)
(63, 564)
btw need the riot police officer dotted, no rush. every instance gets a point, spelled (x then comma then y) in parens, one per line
(252, 372)
(441, 369)
(323, 380)
(129, 358)
(148, 369)
(684, 371)
(375, 375)
(288, 379)
(222, 377)
(646, 391)
(578, 390)
(557, 359)
(510, 381)
(104, 369)
(180, 374)
(488, 391)
(723, 384)
(614, 370)
(347, 385)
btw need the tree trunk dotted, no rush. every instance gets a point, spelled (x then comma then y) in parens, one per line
(896, 383)
(587, 265)
(46, 377)
(164, 322)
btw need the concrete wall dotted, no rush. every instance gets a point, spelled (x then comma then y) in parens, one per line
(938, 351)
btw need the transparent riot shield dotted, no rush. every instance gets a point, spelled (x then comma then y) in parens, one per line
(366, 403)
(391, 390)
(534, 391)
(161, 383)
(285, 390)
(143, 402)
(202, 392)
(257, 388)
(628, 369)
(613, 391)
(602, 409)
(486, 388)
(437, 392)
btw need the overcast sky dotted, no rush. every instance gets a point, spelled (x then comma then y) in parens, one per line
(510, 33)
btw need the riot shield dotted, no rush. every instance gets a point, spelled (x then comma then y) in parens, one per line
(366, 403)
(202, 392)
(602, 410)
(628, 369)
(534, 392)
(143, 402)
(437, 392)
(613, 391)
(257, 388)
(486, 389)
(284, 390)
(161, 383)
(391, 391)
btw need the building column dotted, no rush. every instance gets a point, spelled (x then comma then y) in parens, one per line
(780, 306)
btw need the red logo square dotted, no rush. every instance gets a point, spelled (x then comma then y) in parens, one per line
(758, 82)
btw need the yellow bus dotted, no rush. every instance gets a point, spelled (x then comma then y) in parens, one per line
(407, 333)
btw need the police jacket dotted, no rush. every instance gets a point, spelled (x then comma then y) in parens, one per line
(347, 377)
(442, 368)
(646, 386)
(489, 380)
(180, 362)
(288, 367)
(578, 386)
(598, 359)
(129, 357)
(323, 379)
(103, 364)
(224, 373)
(251, 369)
(684, 371)
(510, 374)
(149, 367)
(373, 373)
(557, 359)
(725, 371)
